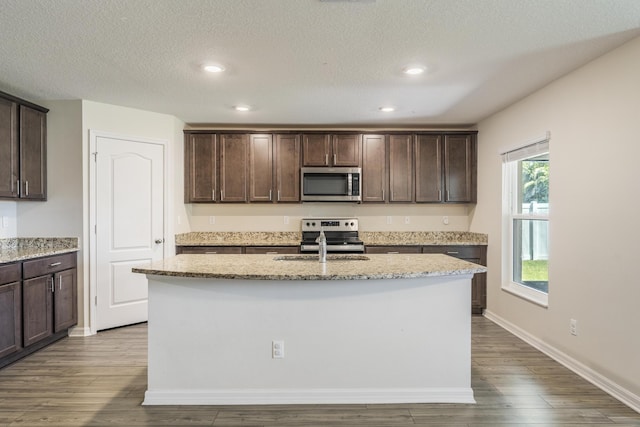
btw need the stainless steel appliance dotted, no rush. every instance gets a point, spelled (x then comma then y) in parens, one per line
(324, 184)
(341, 235)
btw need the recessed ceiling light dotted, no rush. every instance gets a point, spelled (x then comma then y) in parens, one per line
(213, 68)
(242, 108)
(414, 70)
(387, 109)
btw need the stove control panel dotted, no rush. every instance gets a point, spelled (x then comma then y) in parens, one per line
(330, 224)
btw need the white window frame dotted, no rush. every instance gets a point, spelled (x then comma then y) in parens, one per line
(510, 188)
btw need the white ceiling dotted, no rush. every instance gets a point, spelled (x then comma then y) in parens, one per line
(304, 62)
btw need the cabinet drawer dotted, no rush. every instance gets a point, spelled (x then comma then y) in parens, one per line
(211, 250)
(272, 250)
(456, 251)
(48, 265)
(10, 273)
(392, 249)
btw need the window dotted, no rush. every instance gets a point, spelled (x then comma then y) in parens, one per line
(526, 221)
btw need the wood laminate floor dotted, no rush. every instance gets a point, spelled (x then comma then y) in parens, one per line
(100, 381)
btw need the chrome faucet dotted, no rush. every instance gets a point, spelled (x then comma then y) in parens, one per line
(322, 247)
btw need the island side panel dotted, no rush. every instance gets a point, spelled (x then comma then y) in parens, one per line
(351, 341)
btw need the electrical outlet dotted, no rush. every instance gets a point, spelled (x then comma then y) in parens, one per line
(445, 220)
(277, 349)
(212, 220)
(573, 327)
(407, 220)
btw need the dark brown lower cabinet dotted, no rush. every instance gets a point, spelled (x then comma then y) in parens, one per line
(475, 254)
(237, 249)
(65, 300)
(39, 310)
(10, 309)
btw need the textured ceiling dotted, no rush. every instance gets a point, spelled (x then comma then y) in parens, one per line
(304, 62)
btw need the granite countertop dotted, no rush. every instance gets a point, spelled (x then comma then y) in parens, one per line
(239, 238)
(20, 249)
(293, 238)
(337, 267)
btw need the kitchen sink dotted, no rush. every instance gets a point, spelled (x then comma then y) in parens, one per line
(331, 257)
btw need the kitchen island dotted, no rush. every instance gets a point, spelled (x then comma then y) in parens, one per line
(265, 329)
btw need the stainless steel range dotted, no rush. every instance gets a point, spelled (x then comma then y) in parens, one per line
(341, 234)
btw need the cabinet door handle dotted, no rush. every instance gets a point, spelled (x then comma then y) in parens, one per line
(326, 159)
(383, 194)
(439, 195)
(272, 253)
(53, 287)
(334, 159)
(278, 199)
(26, 188)
(18, 185)
(55, 264)
(270, 195)
(60, 282)
(213, 195)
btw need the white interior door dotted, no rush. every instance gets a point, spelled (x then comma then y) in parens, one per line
(129, 212)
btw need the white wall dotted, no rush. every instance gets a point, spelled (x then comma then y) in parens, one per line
(373, 217)
(593, 115)
(8, 219)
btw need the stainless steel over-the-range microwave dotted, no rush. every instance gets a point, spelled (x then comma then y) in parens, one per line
(324, 184)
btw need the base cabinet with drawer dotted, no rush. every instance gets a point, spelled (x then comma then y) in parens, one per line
(45, 305)
(270, 250)
(472, 253)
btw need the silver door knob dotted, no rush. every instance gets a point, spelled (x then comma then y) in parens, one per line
(158, 241)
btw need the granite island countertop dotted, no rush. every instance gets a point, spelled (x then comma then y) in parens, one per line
(305, 267)
(24, 248)
(293, 238)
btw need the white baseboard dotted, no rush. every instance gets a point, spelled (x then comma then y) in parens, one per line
(308, 396)
(605, 384)
(79, 332)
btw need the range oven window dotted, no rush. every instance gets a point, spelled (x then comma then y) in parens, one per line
(322, 184)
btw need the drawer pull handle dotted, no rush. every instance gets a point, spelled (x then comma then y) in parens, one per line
(55, 264)
(393, 252)
(211, 252)
(452, 252)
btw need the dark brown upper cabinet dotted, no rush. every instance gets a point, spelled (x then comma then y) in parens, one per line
(9, 149)
(23, 149)
(233, 167)
(446, 168)
(460, 168)
(201, 171)
(287, 165)
(216, 167)
(401, 168)
(428, 154)
(331, 150)
(374, 168)
(261, 168)
(240, 167)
